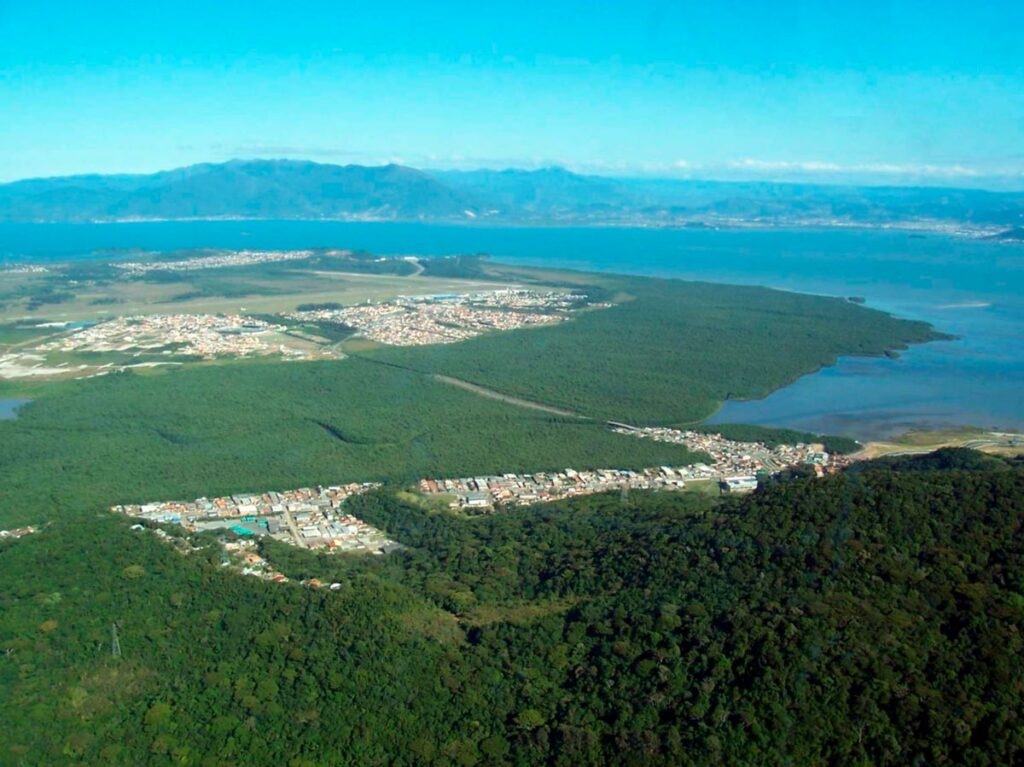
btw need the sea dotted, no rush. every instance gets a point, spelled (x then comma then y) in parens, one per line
(968, 287)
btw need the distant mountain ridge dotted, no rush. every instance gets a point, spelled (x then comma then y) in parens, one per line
(294, 189)
(236, 189)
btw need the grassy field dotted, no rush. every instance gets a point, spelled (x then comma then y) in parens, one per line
(259, 295)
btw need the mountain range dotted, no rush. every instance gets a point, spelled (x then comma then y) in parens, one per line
(292, 189)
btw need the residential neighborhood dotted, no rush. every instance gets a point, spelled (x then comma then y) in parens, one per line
(310, 518)
(314, 518)
(735, 466)
(449, 318)
(24, 269)
(489, 492)
(201, 335)
(217, 261)
(730, 457)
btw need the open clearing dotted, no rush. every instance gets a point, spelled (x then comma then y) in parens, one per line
(921, 442)
(263, 295)
(491, 394)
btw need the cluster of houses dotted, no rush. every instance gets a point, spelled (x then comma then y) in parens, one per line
(525, 489)
(18, 532)
(521, 299)
(217, 261)
(311, 518)
(202, 335)
(243, 554)
(732, 458)
(449, 318)
(24, 269)
(315, 518)
(239, 553)
(736, 466)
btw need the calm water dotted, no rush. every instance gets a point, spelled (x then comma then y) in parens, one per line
(970, 288)
(9, 408)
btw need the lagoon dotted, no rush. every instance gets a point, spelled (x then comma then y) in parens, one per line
(9, 408)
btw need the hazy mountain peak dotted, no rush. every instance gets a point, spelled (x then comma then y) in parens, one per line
(303, 189)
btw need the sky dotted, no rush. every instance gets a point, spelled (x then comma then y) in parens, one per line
(873, 92)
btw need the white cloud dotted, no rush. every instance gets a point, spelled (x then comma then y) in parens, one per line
(1010, 172)
(885, 169)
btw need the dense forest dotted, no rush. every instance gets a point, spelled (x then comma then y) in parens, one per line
(686, 347)
(873, 617)
(867, 618)
(256, 426)
(462, 267)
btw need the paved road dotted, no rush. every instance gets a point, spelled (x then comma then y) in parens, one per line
(491, 394)
(294, 528)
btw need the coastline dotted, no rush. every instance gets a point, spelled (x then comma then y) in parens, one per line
(950, 283)
(891, 353)
(923, 227)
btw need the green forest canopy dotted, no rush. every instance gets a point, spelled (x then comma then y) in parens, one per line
(256, 426)
(874, 617)
(870, 618)
(672, 353)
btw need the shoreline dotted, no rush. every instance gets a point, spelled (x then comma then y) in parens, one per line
(924, 441)
(956, 230)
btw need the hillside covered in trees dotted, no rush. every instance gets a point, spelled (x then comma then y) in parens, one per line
(873, 617)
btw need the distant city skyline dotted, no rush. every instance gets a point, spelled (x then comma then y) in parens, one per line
(874, 93)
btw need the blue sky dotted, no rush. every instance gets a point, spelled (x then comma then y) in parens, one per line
(878, 92)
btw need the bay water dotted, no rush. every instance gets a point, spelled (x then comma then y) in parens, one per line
(973, 289)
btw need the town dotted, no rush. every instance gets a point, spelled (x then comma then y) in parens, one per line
(316, 518)
(173, 339)
(310, 518)
(200, 335)
(490, 492)
(218, 261)
(450, 318)
(313, 517)
(730, 457)
(24, 269)
(734, 466)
